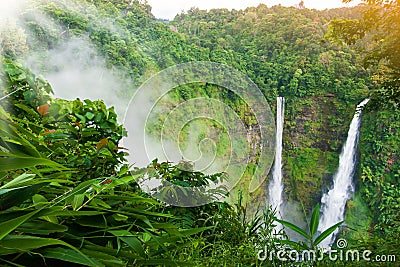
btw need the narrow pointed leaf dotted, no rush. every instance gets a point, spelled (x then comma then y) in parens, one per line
(23, 243)
(294, 228)
(21, 179)
(130, 240)
(105, 258)
(10, 225)
(41, 227)
(69, 255)
(14, 162)
(326, 233)
(314, 220)
(77, 201)
(15, 196)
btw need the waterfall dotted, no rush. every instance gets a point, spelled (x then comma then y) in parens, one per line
(276, 186)
(334, 201)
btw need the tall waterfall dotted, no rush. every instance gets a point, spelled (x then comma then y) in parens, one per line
(276, 186)
(334, 201)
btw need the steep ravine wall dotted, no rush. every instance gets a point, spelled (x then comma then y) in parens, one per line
(315, 130)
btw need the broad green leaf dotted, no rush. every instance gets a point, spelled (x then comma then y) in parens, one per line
(41, 227)
(105, 258)
(110, 251)
(22, 243)
(294, 228)
(193, 231)
(82, 118)
(326, 233)
(148, 213)
(81, 188)
(120, 217)
(69, 213)
(14, 162)
(92, 221)
(89, 115)
(39, 201)
(69, 255)
(23, 178)
(132, 198)
(17, 136)
(164, 225)
(314, 220)
(52, 219)
(10, 225)
(99, 202)
(130, 240)
(78, 201)
(29, 110)
(167, 238)
(15, 196)
(98, 117)
(146, 237)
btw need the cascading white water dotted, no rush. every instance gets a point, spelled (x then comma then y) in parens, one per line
(334, 201)
(276, 186)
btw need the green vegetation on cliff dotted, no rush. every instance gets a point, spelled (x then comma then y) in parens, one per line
(66, 192)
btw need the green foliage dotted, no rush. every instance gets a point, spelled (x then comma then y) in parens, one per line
(358, 220)
(285, 54)
(378, 29)
(81, 135)
(50, 199)
(379, 170)
(310, 234)
(64, 189)
(55, 210)
(282, 54)
(235, 240)
(97, 219)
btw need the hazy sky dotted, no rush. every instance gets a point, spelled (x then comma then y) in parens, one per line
(8, 9)
(169, 8)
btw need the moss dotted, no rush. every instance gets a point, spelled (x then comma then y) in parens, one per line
(304, 173)
(358, 219)
(315, 131)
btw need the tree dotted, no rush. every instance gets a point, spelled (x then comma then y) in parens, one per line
(380, 27)
(12, 40)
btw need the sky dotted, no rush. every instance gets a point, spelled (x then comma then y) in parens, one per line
(167, 9)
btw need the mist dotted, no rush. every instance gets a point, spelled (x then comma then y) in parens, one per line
(74, 66)
(76, 70)
(10, 10)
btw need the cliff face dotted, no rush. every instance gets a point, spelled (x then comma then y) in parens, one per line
(315, 130)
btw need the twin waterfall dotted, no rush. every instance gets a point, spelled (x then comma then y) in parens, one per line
(276, 185)
(334, 201)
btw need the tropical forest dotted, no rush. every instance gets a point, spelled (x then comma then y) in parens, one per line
(263, 136)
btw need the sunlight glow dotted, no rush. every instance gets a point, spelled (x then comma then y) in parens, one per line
(169, 8)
